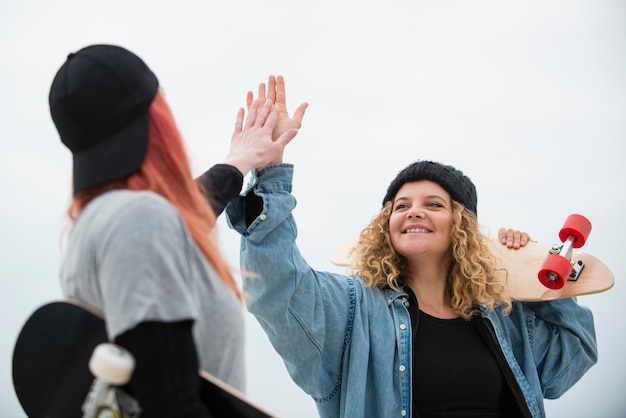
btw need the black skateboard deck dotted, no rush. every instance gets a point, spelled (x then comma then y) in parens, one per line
(51, 376)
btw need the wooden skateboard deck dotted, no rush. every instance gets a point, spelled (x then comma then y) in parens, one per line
(51, 376)
(520, 267)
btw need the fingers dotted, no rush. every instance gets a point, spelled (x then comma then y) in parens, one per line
(274, 92)
(266, 111)
(271, 88)
(525, 239)
(286, 137)
(269, 119)
(258, 115)
(299, 113)
(513, 238)
(261, 96)
(239, 120)
(280, 97)
(252, 113)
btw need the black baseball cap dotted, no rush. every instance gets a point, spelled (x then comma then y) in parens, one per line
(99, 102)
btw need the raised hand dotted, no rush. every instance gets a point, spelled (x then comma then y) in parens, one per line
(276, 93)
(252, 144)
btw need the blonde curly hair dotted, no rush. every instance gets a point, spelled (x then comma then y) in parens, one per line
(473, 273)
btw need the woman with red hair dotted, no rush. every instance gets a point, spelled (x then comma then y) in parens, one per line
(140, 247)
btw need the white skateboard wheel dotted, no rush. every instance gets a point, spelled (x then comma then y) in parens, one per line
(112, 363)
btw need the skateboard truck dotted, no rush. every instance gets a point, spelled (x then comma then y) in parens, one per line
(112, 366)
(557, 268)
(577, 268)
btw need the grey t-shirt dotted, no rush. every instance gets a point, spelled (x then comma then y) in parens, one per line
(130, 255)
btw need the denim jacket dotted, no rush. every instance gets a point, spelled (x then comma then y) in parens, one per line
(349, 347)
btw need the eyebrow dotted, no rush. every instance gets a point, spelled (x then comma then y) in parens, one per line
(431, 196)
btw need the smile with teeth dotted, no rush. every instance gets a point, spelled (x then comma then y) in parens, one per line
(415, 230)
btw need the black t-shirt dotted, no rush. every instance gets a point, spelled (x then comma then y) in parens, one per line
(454, 372)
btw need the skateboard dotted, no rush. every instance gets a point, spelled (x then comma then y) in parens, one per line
(537, 272)
(63, 366)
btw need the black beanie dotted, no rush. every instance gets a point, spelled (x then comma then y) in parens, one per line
(459, 186)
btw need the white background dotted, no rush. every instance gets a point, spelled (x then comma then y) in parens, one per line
(527, 97)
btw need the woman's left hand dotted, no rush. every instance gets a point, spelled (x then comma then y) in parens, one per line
(513, 238)
(276, 93)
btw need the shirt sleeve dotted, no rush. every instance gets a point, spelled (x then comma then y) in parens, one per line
(307, 314)
(220, 184)
(563, 338)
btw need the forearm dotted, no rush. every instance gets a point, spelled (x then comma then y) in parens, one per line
(220, 184)
(564, 343)
(304, 312)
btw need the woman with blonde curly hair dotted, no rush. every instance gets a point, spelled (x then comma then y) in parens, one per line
(471, 279)
(421, 327)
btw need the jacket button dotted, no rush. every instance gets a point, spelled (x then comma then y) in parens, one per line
(402, 368)
(262, 216)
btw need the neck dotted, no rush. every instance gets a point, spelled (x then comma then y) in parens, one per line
(429, 285)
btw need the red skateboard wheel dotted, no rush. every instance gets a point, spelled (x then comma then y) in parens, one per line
(579, 227)
(554, 271)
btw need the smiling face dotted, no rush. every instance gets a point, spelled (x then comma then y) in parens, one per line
(421, 220)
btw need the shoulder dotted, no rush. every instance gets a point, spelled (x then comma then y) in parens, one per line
(125, 203)
(129, 211)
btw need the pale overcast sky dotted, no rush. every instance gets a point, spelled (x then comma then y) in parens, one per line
(527, 97)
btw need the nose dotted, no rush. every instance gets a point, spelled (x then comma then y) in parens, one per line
(414, 213)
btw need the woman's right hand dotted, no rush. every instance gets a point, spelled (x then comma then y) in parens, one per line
(253, 144)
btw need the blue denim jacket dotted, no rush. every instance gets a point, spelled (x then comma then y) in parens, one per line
(349, 347)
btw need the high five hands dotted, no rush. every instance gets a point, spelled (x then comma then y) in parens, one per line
(261, 139)
(268, 129)
(275, 93)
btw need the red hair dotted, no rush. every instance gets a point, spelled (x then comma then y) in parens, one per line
(166, 171)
